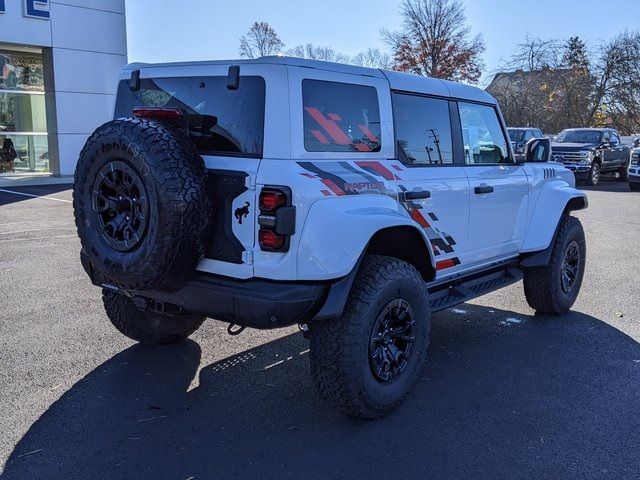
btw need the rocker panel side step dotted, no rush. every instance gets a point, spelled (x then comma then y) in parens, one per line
(462, 290)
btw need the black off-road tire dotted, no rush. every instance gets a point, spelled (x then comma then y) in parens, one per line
(148, 327)
(623, 173)
(173, 178)
(339, 352)
(543, 286)
(595, 174)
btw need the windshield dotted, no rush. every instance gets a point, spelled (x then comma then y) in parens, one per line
(515, 134)
(579, 136)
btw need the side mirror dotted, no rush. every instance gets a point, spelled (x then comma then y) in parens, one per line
(605, 144)
(537, 150)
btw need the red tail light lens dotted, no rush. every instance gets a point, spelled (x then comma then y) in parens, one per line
(158, 113)
(270, 200)
(269, 240)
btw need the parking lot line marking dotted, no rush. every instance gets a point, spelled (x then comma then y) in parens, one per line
(36, 238)
(35, 196)
(71, 227)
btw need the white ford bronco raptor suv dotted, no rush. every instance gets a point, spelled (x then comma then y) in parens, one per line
(354, 202)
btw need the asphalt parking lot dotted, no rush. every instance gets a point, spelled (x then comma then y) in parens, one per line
(505, 394)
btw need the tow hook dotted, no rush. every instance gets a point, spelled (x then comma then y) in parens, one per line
(234, 329)
(304, 328)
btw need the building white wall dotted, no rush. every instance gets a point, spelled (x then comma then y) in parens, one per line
(88, 49)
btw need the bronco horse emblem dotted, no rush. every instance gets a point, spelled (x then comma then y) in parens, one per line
(242, 212)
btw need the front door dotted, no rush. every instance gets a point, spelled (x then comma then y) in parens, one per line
(498, 186)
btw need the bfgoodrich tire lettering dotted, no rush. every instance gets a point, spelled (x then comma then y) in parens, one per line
(544, 288)
(340, 348)
(148, 327)
(171, 178)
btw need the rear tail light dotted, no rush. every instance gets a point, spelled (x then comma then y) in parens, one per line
(270, 200)
(156, 113)
(277, 219)
(270, 241)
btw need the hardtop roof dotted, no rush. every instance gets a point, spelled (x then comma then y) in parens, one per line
(397, 80)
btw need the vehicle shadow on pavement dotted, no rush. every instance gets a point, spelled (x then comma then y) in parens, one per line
(503, 395)
(40, 190)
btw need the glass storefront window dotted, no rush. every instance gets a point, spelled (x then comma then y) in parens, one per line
(23, 119)
(24, 153)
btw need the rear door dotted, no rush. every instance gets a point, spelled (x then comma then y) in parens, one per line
(434, 186)
(498, 186)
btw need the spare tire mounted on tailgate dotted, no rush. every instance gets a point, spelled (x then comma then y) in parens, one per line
(140, 204)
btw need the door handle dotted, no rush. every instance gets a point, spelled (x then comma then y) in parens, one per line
(415, 195)
(483, 189)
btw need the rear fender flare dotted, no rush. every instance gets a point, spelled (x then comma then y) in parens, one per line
(338, 230)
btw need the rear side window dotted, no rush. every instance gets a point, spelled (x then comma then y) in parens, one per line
(484, 140)
(340, 117)
(234, 119)
(423, 130)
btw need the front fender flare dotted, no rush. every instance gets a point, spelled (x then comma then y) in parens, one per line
(553, 201)
(337, 231)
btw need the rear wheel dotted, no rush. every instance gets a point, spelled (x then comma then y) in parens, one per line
(593, 177)
(554, 288)
(145, 326)
(366, 361)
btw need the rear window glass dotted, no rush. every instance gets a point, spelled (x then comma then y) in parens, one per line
(238, 127)
(340, 117)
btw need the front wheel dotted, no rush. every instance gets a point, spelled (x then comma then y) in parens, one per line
(366, 361)
(553, 289)
(623, 173)
(593, 177)
(148, 327)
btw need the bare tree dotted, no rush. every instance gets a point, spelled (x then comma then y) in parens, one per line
(616, 96)
(317, 52)
(535, 54)
(373, 58)
(434, 40)
(260, 40)
(550, 87)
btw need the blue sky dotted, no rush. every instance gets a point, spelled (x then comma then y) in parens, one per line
(174, 30)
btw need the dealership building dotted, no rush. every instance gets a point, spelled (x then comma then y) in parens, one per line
(59, 65)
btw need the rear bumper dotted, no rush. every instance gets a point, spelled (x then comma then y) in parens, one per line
(255, 303)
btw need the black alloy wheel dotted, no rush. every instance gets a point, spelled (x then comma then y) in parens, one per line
(570, 266)
(391, 340)
(120, 202)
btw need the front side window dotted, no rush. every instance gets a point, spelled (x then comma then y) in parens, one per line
(484, 141)
(615, 139)
(229, 122)
(340, 117)
(423, 130)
